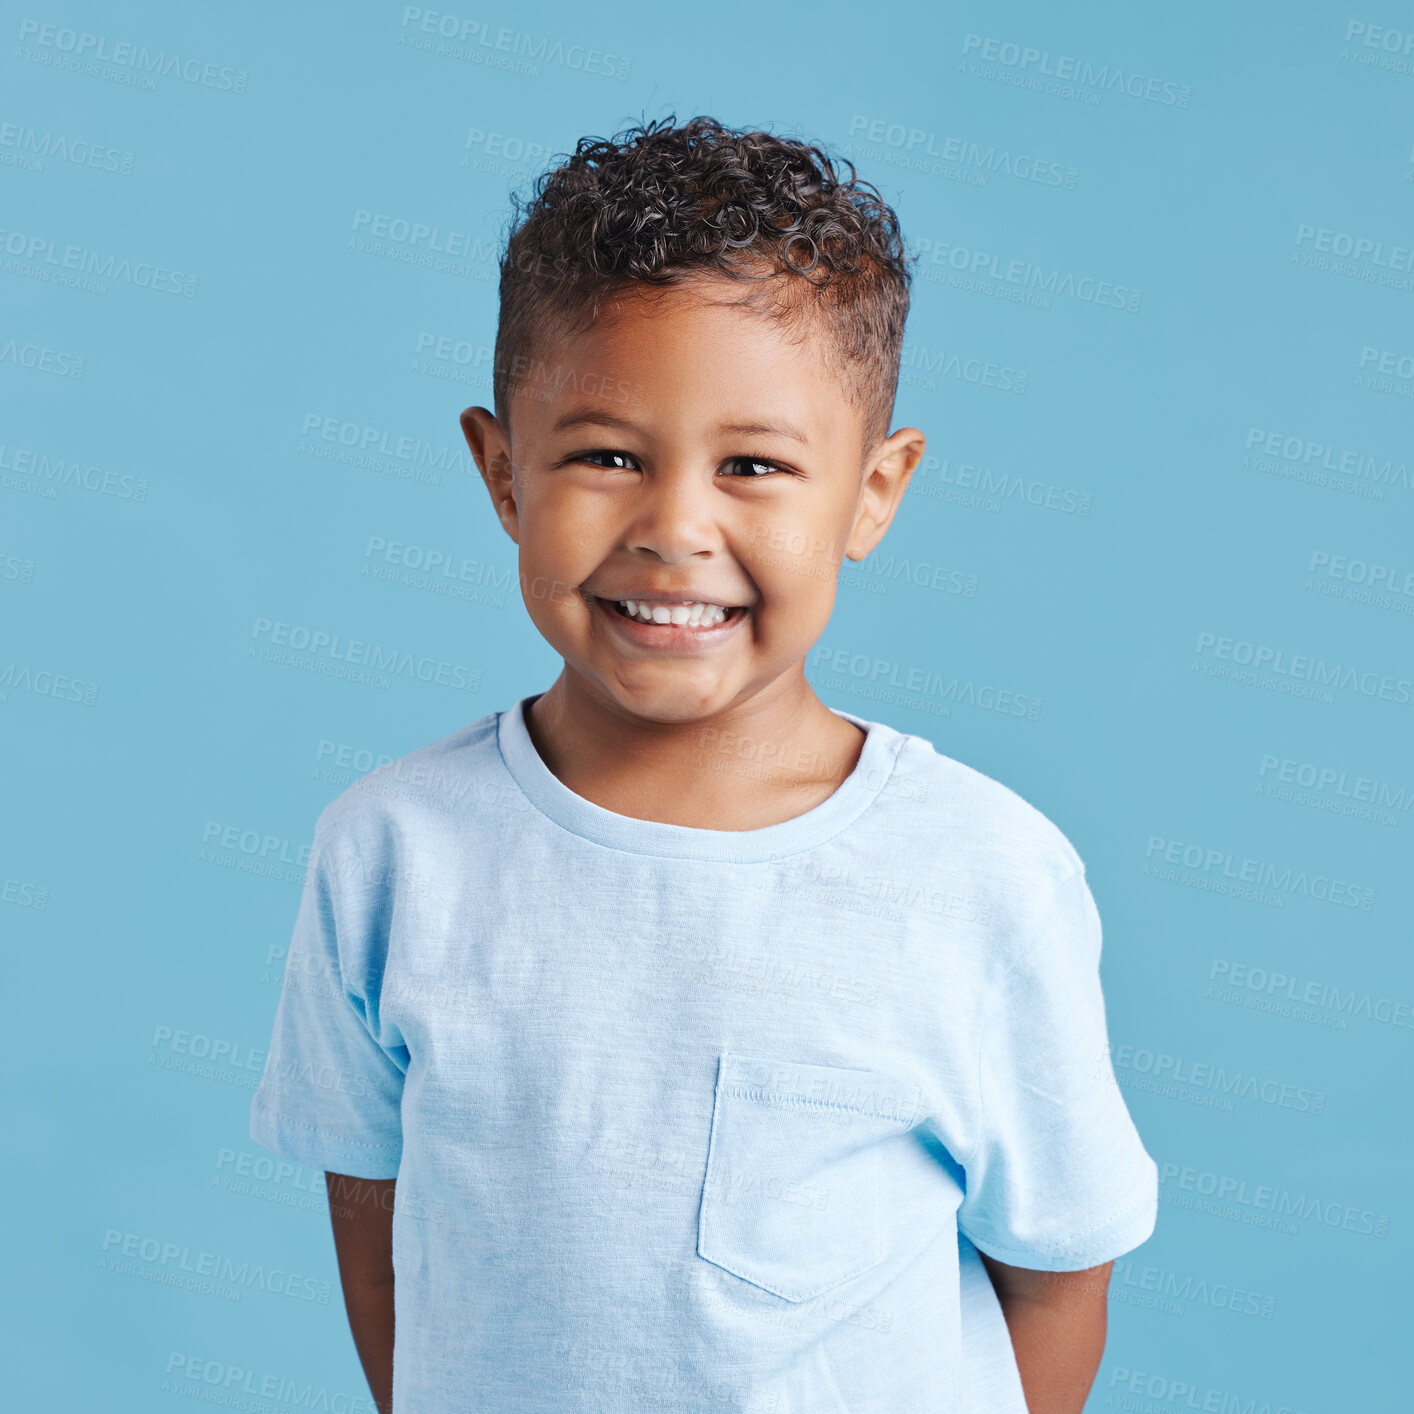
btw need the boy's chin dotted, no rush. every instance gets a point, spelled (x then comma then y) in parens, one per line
(689, 697)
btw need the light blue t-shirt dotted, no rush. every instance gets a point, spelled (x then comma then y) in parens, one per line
(702, 1120)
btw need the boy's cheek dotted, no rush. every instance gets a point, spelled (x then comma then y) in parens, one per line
(548, 590)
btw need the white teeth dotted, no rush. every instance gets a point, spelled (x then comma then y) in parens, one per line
(696, 615)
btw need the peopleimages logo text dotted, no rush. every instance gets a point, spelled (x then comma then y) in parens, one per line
(122, 53)
(319, 643)
(1263, 658)
(1105, 77)
(458, 28)
(47, 253)
(1259, 872)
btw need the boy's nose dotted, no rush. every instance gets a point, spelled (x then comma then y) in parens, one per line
(674, 516)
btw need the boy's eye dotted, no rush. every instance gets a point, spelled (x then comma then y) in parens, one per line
(757, 468)
(602, 452)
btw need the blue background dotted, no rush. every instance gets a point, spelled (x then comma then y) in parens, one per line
(171, 480)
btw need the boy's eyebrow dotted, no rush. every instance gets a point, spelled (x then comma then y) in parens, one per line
(779, 429)
(587, 413)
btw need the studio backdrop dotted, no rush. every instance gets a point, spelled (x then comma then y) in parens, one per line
(1155, 573)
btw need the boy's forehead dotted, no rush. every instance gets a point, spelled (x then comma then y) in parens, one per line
(709, 350)
(668, 343)
(646, 312)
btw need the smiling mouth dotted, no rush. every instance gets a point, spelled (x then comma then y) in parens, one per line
(673, 621)
(684, 614)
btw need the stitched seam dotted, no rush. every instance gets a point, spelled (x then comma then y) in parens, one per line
(639, 852)
(706, 1227)
(1126, 1211)
(280, 1119)
(770, 1097)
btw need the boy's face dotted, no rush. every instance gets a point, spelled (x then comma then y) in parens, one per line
(683, 450)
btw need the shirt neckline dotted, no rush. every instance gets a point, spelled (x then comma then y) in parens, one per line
(593, 822)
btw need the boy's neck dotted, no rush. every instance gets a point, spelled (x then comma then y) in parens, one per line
(741, 770)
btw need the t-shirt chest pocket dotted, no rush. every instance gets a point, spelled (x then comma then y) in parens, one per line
(793, 1195)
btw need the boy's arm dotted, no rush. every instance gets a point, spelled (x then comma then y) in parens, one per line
(1057, 1323)
(361, 1210)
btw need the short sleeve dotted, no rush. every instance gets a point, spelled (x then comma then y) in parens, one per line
(331, 1092)
(1059, 1179)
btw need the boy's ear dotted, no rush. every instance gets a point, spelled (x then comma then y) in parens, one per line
(886, 477)
(491, 450)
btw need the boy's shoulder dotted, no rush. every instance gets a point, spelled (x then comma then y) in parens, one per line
(390, 800)
(987, 856)
(983, 824)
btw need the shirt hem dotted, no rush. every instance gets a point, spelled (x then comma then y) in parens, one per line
(1121, 1234)
(305, 1143)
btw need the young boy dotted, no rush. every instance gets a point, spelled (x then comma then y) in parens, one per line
(671, 1040)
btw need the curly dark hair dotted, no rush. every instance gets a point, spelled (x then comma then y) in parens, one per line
(658, 204)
